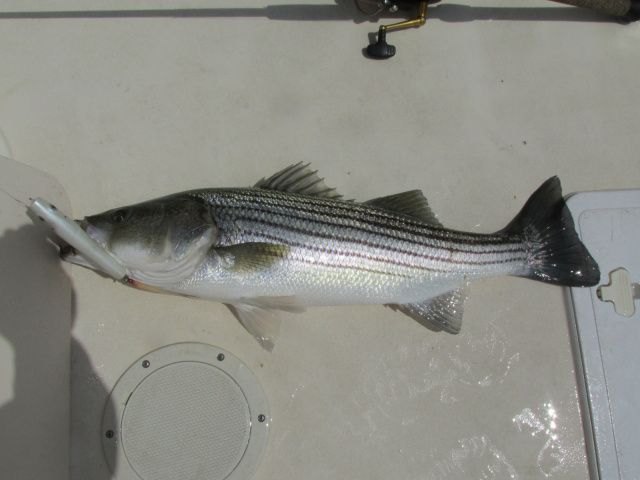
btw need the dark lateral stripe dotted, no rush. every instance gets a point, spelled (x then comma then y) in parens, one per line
(345, 211)
(452, 248)
(351, 254)
(348, 210)
(372, 219)
(308, 261)
(385, 259)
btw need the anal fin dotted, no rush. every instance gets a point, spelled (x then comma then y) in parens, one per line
(443, 312)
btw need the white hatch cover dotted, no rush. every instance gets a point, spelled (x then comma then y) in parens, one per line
(188, 411)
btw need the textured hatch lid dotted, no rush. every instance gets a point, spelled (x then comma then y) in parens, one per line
(188, 411)
(605, 341)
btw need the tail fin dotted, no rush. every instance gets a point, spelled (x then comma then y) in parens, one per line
(556, 254)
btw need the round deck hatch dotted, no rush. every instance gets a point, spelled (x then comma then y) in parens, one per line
(188, 411)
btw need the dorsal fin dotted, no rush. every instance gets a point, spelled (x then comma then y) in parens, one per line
(298, 178)
(411, 203)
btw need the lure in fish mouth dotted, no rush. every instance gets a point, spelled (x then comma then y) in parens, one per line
(290, 242)
(161, 242)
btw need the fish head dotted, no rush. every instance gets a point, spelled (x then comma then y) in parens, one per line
(160, 241)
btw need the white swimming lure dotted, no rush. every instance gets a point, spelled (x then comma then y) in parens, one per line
(69, 231)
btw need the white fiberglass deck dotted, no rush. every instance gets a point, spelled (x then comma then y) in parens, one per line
(477, 109)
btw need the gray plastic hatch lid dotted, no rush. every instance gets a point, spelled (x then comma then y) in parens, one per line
(605, 325)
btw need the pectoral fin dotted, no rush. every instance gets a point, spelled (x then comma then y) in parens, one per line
(260, 316)
(439, 313)
(250, 257)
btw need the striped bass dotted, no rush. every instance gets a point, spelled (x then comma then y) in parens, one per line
(290, 242)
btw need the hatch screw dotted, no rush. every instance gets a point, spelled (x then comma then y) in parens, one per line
(220, 357)
(146, 363)
(110, 434)
(261, 418)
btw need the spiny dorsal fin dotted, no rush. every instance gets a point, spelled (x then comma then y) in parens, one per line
(443, 312)
(298, 178)
(411, 203)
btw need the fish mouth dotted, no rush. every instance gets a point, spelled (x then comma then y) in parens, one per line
(70, 254)
(67, 252)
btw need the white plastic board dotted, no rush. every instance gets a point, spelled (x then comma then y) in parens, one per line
(607, 334)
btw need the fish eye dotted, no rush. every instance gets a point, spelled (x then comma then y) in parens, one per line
(119, 216)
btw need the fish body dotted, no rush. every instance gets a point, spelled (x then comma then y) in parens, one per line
(291, 242)
(338, 252)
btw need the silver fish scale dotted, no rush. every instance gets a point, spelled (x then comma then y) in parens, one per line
(341, 250)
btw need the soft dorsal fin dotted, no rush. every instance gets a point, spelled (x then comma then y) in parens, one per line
(411, 203)
(298, 178)
(443, 312)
